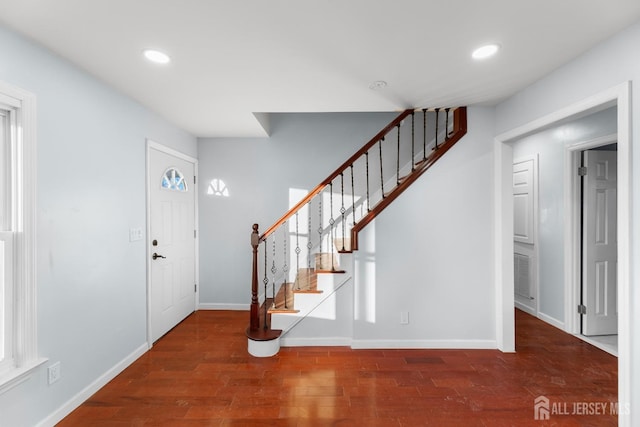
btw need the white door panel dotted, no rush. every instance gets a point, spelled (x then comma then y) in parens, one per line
(524, 201)
(599, 292)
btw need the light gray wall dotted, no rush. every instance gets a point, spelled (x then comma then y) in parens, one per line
(609, 64)
(430, 253)
(303, 149)
(90, 192)
(550, 146)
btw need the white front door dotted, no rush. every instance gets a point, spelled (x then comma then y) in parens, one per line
(171, 240)
(599, 244)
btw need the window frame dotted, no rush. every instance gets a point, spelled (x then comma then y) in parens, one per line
(23, 316)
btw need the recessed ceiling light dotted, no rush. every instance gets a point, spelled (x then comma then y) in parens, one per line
(156, 56)
(377, 85)
(485, 51)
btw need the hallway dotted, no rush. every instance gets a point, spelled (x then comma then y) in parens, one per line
(200, 374)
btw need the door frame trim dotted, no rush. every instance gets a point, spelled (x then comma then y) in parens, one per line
(620, 96)
(170, 151)
(572, 202)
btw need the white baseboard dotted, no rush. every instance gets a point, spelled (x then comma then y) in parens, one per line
(92, 388)
(611, 349)
(551, 320)
(315, 342)
(526, 308)
(216, 306)
(425, 344)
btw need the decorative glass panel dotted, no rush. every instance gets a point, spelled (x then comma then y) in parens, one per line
(174, 180)
(217, 187)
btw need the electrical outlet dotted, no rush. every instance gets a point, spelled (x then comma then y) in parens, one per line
(404, 317)
(54, 372)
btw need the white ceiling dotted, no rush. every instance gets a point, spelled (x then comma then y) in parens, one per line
(232, 59)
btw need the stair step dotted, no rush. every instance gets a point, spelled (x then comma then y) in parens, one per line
(306, 291)
(279, 305)
(283, 310)
(341, 243)
(306, 280)
(325, 261)
(306, 283)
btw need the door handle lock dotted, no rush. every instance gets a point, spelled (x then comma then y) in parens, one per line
(156, 256)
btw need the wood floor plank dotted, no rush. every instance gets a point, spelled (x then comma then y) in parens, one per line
(200, 374)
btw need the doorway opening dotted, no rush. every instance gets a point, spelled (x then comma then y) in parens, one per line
(618, 96)
(596, 191)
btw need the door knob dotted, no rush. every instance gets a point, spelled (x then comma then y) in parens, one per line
(156, 256)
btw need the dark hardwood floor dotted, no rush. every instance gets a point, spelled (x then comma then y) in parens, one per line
(201, 374)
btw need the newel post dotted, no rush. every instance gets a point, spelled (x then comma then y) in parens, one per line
(254, 323)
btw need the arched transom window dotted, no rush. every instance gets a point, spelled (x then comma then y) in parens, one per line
(173, 179)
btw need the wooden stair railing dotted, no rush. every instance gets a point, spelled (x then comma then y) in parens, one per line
(376, 174)
(459, 130)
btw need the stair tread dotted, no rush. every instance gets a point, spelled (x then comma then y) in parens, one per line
(306, 280)
(280, 299)
(306, 283)
(283, 310)
(343, 244)
(306, 291)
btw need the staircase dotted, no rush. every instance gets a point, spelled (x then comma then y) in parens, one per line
(303, 261)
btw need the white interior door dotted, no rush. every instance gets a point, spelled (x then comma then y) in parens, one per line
(171, 240)
(599, 242)
(523, 201)
(524, 233)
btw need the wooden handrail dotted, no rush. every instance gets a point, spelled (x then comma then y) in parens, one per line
(337, 172)
(459, 130)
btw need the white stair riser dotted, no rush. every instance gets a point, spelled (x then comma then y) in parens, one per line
(283, 321)
(329, 282)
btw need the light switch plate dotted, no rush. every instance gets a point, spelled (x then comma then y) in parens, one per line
(135, 234)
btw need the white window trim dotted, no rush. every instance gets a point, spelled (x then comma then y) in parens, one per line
(25, 351)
